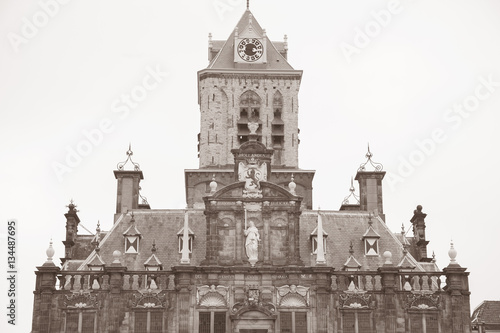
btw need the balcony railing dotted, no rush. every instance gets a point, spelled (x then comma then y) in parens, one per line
(92, 280)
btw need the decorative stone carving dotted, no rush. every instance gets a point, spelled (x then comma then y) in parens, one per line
(253, 301)
(212, 296)
(292, 296)
(422, 300)
(149, 299)
(252, 172)
(355, 300)
(81, 300)
(252, 243)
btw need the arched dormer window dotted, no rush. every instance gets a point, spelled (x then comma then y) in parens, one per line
(250, 104)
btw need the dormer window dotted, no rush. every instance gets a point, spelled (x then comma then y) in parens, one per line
(370, 239)
(371, 247)
(132, 237)
(132, 244)
(314, 241)
(180, 237)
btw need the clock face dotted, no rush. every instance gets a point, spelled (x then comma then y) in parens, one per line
(250, 49)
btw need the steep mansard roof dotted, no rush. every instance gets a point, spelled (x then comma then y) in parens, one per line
(162, 226)
(225, 57)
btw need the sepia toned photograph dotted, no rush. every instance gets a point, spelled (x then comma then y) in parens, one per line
(250, 166)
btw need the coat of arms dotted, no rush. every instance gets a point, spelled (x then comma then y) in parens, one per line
(252, 173)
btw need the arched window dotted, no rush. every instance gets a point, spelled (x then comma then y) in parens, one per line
(250, 104)
(277, 127)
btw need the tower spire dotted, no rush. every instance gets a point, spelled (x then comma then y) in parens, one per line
(248, 4)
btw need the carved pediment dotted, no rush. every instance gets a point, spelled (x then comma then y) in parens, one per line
(212, 296)
(293, 296)
(422, 301)
(355, 300)
(81, 300)
(254, 301)
(149, 299)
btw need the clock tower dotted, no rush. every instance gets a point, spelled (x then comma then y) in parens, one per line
(248, 81)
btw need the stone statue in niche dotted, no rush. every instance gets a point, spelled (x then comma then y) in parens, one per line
(252, 242)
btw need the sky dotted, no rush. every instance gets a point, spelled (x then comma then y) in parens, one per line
(417, 80)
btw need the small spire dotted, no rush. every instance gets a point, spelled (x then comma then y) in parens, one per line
(248, 4)
(72, 207)
(370, 222)
(351, 250)
(153, 247)
(347, 199)
(376, 166)
(129, 153)
(132, 220)
(285, 42)
(433, 257)
(97, 237)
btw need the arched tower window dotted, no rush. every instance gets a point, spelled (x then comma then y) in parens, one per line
(249, 113)
(277, 127)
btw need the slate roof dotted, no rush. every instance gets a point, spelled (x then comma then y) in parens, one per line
(342, 228)
(225, 58)
(160, 226)
(163, 226)
(487, 312)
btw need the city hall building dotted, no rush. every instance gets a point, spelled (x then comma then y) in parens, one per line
(249, 254)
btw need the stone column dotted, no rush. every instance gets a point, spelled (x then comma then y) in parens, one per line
(44, 293)
(389, 275)
(323, 282)
(115, 272)
(458, 289)
(183, 287)
(293, 238)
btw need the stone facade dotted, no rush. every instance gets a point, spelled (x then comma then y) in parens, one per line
(249, 255)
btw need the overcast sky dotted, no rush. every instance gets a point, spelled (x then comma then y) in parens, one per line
(418, 80)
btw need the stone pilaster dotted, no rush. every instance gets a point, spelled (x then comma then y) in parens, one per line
(45, 286)
(211, 243)
(239, 217)
(183, 287)
(293, 238)
(266, 217)
(389, 275)
(458, 288)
